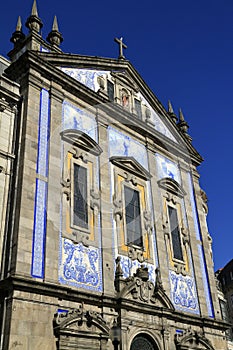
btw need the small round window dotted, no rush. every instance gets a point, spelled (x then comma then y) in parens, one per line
(143, 342)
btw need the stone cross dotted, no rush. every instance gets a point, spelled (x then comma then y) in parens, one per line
(121, 46)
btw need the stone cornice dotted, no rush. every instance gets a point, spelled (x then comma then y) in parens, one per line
(26, 284)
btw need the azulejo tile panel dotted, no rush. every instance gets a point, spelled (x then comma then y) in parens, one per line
(80, 266)
(88, 77)
(156, 120)
(167, 168)
(39, 231)
(129, 267)
(43, 134)
(123, 145)
(183, 293)
(79, 119)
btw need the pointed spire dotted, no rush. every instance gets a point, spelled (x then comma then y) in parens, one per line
(181, 116)
(55, 37)
(171, 112)
(18, 35)
(183, 125)
(34, 9)
(33, 22)
(19, 25)
(55, 24)
(170, 108)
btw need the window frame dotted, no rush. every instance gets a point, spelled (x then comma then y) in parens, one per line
(139, 115)
(87, 167)
(133, 188)
(127, 171)
(113, 85)
(173, 206)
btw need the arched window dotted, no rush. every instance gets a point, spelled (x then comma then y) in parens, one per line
(143, 342)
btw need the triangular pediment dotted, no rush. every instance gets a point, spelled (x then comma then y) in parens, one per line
(81, 140)
(93, 73)
(130, 165)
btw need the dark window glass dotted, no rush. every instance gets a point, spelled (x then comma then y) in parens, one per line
(80, 196)
(138, 108)
(132, 217)
(110, 88)
(175, 233)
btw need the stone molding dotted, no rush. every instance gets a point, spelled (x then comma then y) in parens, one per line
(191, 339)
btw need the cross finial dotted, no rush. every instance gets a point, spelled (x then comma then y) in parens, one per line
(121, 46)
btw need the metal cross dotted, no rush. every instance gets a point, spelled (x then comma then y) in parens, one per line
(121, 46)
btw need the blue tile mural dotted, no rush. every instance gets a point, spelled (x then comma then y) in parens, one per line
(167, 168)
(79, 119)
(200, 248)
(80, 266)
(129, 267)
(121, 144)
(157, 120)
(43, 134)
(39, 231)
(88, 77)
(183, 293)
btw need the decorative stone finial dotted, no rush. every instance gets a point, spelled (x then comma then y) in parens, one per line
(33, 22)
(18, 35)
(171, 112)
(55, 37)
(183, 125)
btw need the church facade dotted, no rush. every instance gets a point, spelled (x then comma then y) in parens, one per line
(104, 242)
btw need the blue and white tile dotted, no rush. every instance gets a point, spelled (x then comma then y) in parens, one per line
(88, 77)
(39, 230)
(167, 168)
(157, 120)
(129, 267)
(183, 293)
(43, 134)
(80, 266)
(79, 119)
(121, 144)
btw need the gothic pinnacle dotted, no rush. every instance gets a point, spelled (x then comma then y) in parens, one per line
(55, 37)
(33, 22)
(34, 9)
(18, 35)
(183, 125)
(171, 112)
(55, 24)
(181, 116)
(19, 25)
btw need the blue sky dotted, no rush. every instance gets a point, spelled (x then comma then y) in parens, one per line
(183, 50)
